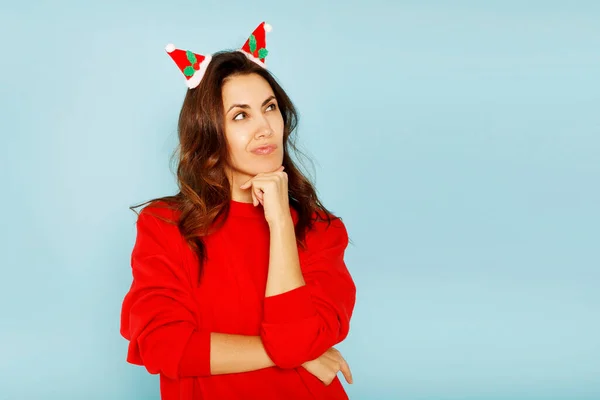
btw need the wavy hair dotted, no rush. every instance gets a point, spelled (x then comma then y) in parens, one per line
(203, 200)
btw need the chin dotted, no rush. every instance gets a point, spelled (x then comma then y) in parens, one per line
(266, 168)
(266, 165)
(254, 168)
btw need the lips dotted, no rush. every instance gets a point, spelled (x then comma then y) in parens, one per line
(266, 149)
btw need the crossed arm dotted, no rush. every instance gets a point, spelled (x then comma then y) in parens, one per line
(309, 307)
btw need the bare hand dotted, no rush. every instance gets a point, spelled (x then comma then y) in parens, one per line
(271, 190)
(326, 367)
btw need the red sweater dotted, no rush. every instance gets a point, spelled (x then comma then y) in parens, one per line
(168, 319)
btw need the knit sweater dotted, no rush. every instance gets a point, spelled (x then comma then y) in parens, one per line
(168, 318)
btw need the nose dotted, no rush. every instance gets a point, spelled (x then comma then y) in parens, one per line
(263, 128)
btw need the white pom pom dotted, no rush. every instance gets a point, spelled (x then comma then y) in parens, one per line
(268, 28)
(170, 47)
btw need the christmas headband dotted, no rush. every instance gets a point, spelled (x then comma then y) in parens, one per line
(193, 65)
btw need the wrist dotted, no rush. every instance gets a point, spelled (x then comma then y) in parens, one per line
(281, 222)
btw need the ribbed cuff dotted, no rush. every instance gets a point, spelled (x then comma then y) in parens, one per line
(195, 360)
(289, 306)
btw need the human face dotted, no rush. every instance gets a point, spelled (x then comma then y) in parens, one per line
(252, 119)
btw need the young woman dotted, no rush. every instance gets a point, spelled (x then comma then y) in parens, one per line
(240, 290)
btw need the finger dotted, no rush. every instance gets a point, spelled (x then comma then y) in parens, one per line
(261, 197)
(247, 184)
(258, 194)
(333, 354)
(254, 197)
(345, 368)
(258, 190)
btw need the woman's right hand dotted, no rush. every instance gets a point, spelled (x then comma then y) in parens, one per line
(326, 367)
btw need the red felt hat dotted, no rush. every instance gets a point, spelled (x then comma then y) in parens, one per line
(193, 65)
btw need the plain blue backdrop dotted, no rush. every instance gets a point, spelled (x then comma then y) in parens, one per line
(459, 141)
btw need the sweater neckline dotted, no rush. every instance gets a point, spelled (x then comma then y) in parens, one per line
(241, 209)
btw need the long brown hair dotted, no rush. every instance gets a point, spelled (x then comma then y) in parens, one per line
(202, 202)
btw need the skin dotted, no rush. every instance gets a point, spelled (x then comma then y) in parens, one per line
(248, 127)
(252, 119)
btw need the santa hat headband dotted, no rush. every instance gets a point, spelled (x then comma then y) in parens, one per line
(193, 65)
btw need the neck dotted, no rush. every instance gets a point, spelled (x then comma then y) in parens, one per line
(237, 179)
(240, 195)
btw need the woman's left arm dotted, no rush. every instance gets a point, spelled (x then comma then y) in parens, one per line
(308, 305)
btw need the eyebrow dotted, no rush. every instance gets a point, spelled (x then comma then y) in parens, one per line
(246, 106)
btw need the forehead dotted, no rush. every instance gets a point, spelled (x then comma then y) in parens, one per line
(245, 89)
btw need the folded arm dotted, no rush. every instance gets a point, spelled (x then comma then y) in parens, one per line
(309, 301)
(159, 316)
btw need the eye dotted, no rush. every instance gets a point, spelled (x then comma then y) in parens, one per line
(273, 105)
(237, 115)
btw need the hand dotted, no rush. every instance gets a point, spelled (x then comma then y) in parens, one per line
(326, 367)
(271, 190)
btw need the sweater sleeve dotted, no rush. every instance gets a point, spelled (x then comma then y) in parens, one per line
(158, 315)
(303, 323)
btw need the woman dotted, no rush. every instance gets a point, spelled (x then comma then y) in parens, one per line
(240, 290)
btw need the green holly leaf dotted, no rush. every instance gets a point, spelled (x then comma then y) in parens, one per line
(262, 53)
(191, 57)
(189, 71)
(252, 44)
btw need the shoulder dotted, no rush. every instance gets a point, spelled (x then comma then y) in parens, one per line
(158, 219)
(327, 239)
(161, 212)
(327, 228)
(323, 221)
(157, 230)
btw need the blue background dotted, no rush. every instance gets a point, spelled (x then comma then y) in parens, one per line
(458, 141)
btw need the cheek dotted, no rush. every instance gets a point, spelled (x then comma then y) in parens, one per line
(237, 147)
(235, 144)
(277, 123)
